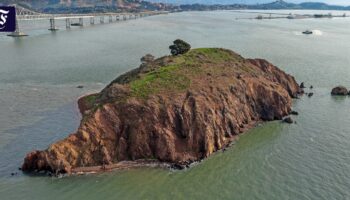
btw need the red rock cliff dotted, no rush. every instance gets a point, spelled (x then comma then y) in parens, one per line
(174, 109)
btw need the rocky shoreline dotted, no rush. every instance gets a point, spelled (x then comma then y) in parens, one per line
(141, 163)
(170, 111)
(123, 165)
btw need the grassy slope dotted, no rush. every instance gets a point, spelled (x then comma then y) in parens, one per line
(180, 72)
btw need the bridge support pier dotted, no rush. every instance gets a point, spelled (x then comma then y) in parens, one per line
(53, 26)
(67, 23)
(110, 19)
(117, 18)
(124, 17)
(92, 20)
(102, 19)
(17, 32)
(81, 22)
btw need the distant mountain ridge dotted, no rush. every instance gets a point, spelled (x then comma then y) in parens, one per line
(280, 4)
(276, 5)
(87, 6)
(67, 3)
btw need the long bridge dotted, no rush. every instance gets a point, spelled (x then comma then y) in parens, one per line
(23, 14)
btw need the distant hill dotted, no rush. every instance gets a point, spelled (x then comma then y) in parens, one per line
(246, 2)
(87, 6)
(280, 4)
(322, 6)
(276, 5)
(41, 4)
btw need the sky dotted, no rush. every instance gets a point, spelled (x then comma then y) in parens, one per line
(332, 2)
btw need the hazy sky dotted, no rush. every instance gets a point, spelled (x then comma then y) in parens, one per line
(333, 2)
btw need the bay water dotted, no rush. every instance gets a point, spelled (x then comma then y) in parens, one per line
(39, 76)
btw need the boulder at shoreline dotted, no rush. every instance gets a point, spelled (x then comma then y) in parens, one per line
(340, 91)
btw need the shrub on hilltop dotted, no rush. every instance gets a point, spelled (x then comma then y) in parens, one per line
(179, 47)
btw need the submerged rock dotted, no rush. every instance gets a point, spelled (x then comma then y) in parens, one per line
(173, 111)
(302, 85)
(177, 166)
(340, 90)
(294, 112)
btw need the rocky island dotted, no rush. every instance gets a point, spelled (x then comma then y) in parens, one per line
(175, 109)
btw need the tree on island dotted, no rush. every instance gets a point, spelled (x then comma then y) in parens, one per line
(179, 47)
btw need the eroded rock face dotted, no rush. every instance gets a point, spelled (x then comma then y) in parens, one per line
(340, 90)
(223, 99)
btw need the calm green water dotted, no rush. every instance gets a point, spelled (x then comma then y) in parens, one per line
(307, 160)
